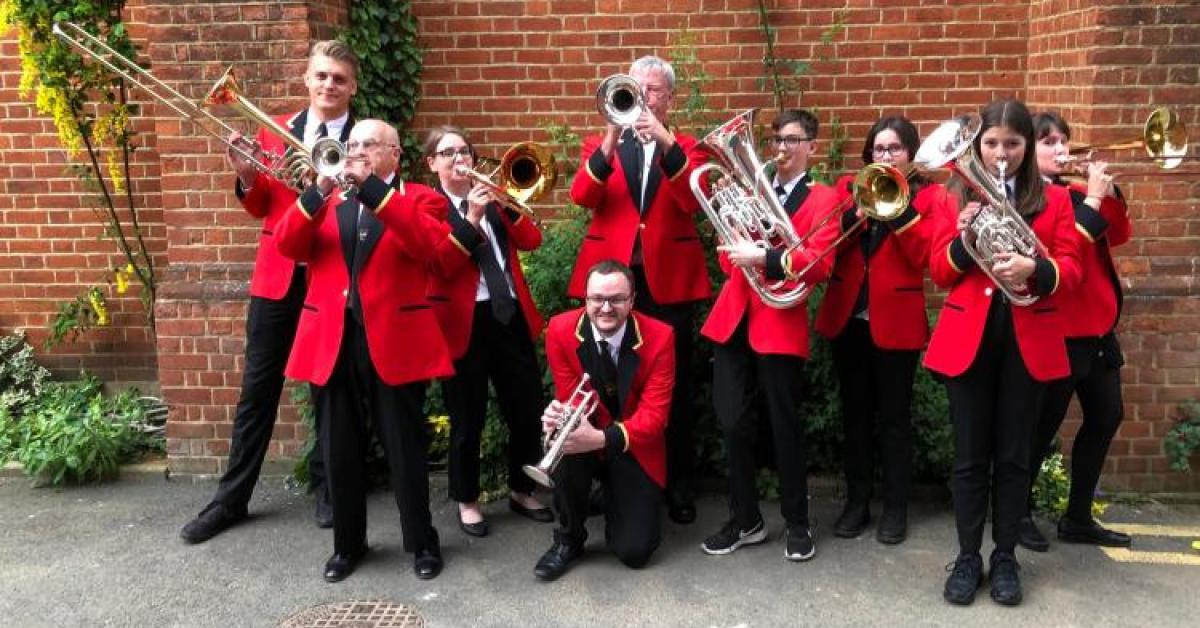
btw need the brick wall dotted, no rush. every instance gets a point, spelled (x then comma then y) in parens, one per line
(503, 69)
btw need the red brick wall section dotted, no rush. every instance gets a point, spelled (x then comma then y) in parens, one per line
(52, 245)
(505, 68)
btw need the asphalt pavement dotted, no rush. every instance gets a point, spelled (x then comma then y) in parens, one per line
(110, 555)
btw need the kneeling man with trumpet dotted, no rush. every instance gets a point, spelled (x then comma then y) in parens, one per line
(628, 361)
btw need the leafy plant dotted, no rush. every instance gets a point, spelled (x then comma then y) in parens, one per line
(1183, 439)
(21, 377)
(1052, 489)
(91, 111)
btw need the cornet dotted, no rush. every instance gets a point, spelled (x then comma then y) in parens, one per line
(581, 404)
(621, 101)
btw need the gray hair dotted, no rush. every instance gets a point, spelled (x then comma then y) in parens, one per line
(651, 63)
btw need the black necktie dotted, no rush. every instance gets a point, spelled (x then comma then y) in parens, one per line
(503, 307)
(322, 131)
(608, 367)
(781, 193)
(1010, 193)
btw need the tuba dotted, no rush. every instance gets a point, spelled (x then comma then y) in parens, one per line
(621, 101)
(997, 227)
(327, 157)
(577, 408)
(525, 173)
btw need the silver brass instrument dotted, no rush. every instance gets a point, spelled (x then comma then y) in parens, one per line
(327, 157)
(997, 226)
(747, 209)
(621, 101)
(526, 172)
(576, 409)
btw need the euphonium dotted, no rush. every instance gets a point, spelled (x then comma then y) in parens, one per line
(997, 226)
(576, 409)
(526, 172)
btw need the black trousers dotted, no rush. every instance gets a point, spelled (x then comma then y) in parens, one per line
(631, 511)
(735, 368)
(876, 390)
(681, 425)
(270, 329)
(992, 408)
(504, 354)
(1096, 378)
(352, 401)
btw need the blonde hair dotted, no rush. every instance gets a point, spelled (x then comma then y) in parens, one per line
(338, 51)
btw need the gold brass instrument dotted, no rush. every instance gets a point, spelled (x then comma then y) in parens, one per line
(997, 226)
(525, 173)
(747, 209)
(1164, 136)
(621, 101)
(576, 409)
(327, 157)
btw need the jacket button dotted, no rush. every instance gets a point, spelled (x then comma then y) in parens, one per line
(346, 292)
(987, 292)
(641, 225)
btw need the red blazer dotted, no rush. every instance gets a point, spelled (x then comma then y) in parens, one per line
(896, 291)
(1040, 328)
(1093, 307)
(454, 274)
(269, 199)
(647, 375)
(672, 256)
(398, 230)
(772, 330)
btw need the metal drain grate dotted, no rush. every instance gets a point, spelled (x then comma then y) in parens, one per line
(356, 614)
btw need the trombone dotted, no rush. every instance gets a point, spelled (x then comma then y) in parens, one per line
(326, 157)
(1164, 136)
(526, 172)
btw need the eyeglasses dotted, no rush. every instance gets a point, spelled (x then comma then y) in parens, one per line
(894, 149)
(791, 141)
(449, 153)
(615, 301)
(354, 145)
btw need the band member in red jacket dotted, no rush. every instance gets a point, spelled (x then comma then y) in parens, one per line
(488, 317)
(873, 311)
(368, 340)
(1093, 309)
(643, 215)
(631, 363)
(997, 357)
(276, 292)
(757, 342)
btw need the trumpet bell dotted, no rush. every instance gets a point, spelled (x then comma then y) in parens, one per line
(619, 99)
(1166, 138)
(329, 157)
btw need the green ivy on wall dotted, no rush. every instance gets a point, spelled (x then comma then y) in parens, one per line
(383, 33)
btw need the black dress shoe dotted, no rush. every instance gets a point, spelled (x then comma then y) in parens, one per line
(893, 526)
(428, 563)
(554, 562)
(681, 509)
(478, 529)
(211, 521)
(853, 520)
(1030, 537)
(965, 577)
(1091, 533)
(541, 515)
(1006, 584)
(339, 566)
(323, 511)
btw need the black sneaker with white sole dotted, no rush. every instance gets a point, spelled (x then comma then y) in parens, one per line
(731, 536)
(798, 544)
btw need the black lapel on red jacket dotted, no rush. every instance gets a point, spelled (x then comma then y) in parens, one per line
(629, 151)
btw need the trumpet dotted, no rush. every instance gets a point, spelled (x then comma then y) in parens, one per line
(293, 168)
(997, 226)
(526, 172)
(577, 408)
(621, 101)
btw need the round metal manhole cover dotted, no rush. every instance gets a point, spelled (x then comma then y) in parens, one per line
(356, 614)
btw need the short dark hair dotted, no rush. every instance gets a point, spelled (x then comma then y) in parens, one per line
(905, 130)
(608, 267)
(435, 135)
(807, 121)
(1047, 121)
